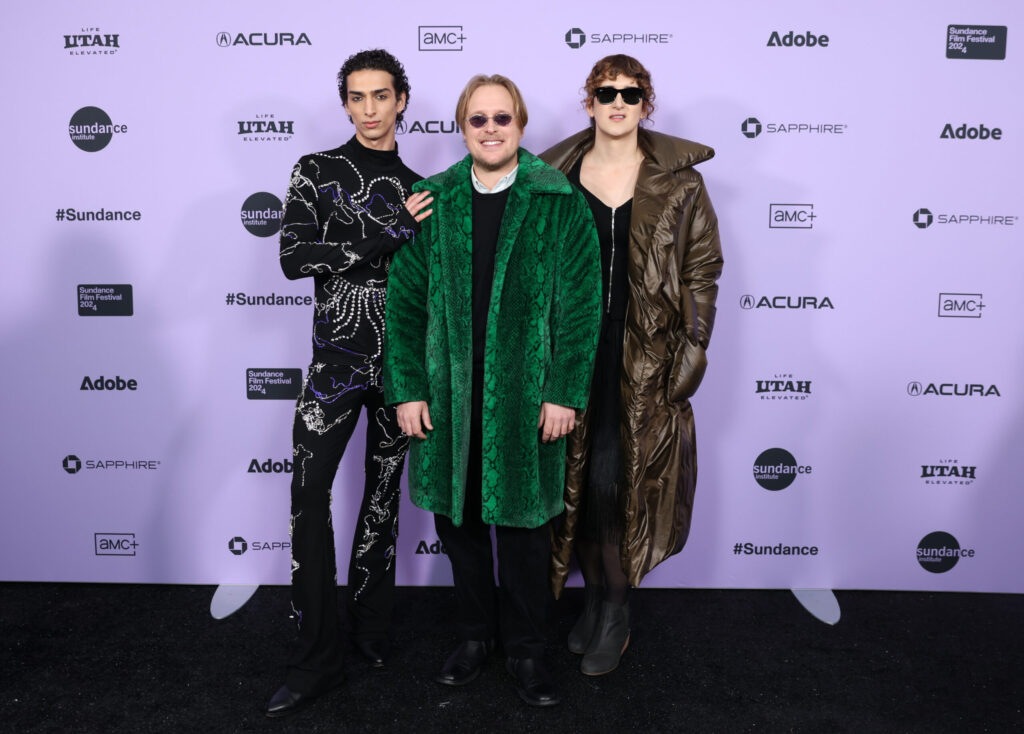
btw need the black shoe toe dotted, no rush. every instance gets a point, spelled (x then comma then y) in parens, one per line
(533, 682)
(375, 651)
(464, 665)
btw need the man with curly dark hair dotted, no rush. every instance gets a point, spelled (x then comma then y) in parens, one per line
(345, 215)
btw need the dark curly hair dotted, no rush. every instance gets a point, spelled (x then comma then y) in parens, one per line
(621, 65)
(376, 59)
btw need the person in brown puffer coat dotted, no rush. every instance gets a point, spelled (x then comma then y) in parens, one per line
(632, 459)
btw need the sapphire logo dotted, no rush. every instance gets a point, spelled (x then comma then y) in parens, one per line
(239, 545)
(72, 464)
(938, 552)
(115, 544)
(441, 37)
(575, 38)
(960, 305)
(752, 127)
(923, 218)
(776, 469)
(262, 213)
(791, 216)
(225, 39)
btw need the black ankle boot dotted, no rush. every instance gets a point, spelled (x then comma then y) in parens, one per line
(582, 632)
(610, 640)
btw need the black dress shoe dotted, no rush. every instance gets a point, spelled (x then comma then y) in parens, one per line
(465, 663)
(286, 701)
(533, 682)
(375, 651)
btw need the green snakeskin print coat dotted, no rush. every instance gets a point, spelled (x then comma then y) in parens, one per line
(542, 328)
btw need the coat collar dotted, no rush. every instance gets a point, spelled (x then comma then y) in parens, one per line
(666, 152)
(534, 176)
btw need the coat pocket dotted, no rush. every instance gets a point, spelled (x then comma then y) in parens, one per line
(688, 367)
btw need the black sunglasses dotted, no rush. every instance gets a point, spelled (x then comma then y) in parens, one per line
(630, 95)
(502, 119)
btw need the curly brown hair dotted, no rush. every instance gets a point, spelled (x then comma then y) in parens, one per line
(621, 65)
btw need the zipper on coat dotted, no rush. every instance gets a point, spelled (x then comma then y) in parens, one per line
(611, 267)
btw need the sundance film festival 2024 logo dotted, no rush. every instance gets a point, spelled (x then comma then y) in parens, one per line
(91, 41)
(105, 299)
(575, 37)
(262, 383)
(976, 42)
(923, 219)
(938, 552)
(91, 129)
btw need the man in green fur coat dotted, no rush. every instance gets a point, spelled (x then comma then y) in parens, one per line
(492, 320)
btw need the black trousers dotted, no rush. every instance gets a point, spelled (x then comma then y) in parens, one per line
(325, 418)
(516, 610)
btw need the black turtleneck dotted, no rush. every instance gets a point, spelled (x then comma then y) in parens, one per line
(344, 217)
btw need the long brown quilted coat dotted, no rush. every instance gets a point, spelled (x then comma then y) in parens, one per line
(675, 259)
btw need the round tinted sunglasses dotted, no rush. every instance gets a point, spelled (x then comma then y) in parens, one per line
(502, 119)
(630, 95)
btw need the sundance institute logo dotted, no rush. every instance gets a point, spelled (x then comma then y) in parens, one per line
(938, 552)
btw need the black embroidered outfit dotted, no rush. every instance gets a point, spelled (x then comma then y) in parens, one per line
(344, 217)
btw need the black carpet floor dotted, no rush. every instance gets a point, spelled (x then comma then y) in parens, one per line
(140, 658)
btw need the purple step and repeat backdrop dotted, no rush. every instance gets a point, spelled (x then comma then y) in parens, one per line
(860, 420)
